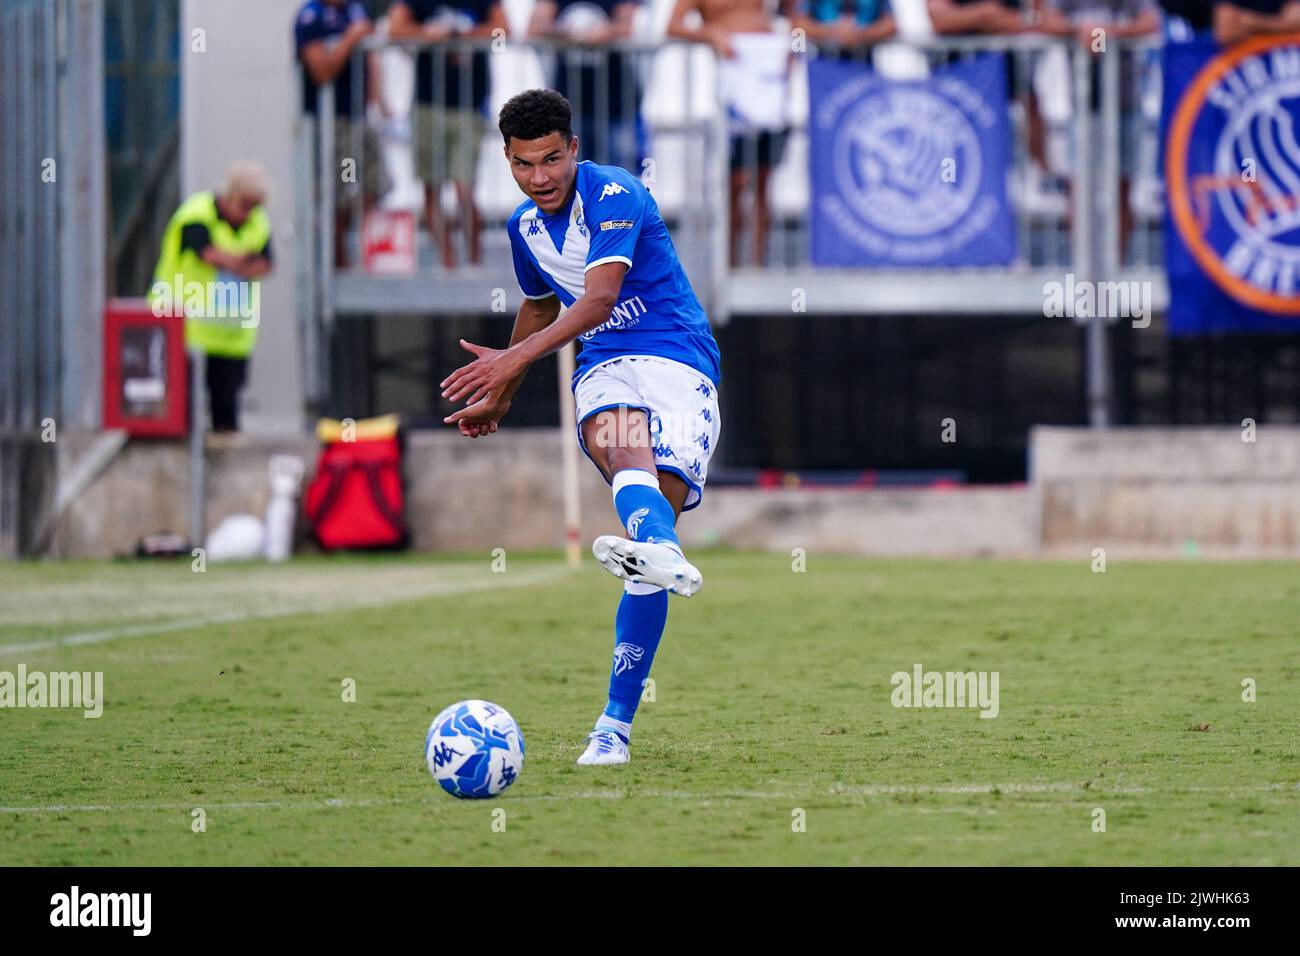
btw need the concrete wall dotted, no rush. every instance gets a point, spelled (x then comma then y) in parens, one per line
(240, 101)
(1168, 490)
(982, 522)
(462, 495)
(1158, 492)
(504, 492)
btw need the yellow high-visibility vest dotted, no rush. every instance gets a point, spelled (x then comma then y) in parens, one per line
(216, 314)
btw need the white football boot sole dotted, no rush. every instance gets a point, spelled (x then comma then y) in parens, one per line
(604, 748)
(643, 563)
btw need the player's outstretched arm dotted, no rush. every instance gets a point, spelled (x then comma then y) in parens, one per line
(481, 415)
(496, 369)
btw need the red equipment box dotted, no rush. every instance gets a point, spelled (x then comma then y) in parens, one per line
(146, 385)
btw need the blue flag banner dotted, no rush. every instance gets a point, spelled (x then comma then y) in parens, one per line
(910, 173)
(1232, 167)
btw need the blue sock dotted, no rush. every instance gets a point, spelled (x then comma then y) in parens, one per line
(643, 509)
(643, 609)
(638, 627)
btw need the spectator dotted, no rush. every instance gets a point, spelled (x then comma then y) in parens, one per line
(601, 85)
(456, 114)
(1117, 20)
(212, 239)
(753, 69)
(845, 23)
(1233, 22)
(326, 34)
(976, 16)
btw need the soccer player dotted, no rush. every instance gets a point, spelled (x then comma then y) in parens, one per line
(595, 263)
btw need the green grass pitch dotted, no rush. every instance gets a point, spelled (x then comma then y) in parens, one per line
(1119, 691)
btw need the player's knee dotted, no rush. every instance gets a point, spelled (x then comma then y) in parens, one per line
(620, 458)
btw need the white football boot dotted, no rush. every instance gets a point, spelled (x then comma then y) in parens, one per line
(604, 747)
(645, 563)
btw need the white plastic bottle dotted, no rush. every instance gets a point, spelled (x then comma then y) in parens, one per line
(286, 482)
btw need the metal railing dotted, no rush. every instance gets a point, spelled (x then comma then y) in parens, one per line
(656, 108)
(52, 249)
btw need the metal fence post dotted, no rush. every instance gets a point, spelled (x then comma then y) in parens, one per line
(198, 426)
(82, 211)
(325, 231)
(1085, 241)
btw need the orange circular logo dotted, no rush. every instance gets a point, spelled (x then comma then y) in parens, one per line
(1232, 214)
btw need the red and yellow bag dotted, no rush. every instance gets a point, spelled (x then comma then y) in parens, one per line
(357, 498)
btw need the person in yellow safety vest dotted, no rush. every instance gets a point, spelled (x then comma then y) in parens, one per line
(215, 251)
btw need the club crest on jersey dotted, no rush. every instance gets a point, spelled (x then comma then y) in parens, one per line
(634, 520)
(626, 657)
(611, 189)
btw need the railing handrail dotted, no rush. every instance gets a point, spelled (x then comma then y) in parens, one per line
(992, 43)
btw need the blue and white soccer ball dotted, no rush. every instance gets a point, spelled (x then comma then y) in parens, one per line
(474, 749)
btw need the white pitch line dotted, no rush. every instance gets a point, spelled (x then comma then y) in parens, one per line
(442, 589)
(869, 790)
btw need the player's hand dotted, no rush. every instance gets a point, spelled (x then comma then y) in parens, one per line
(599, 35)
(845, 33)
(481, 418)
(358, 30)
(1086, 33)
(490, 373)
(720, 40)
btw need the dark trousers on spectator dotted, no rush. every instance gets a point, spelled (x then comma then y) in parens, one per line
(225, 378)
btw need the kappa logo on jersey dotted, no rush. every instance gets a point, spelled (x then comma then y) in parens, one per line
(634, 520)
(626, 657)
(611, 189)
(534, 227)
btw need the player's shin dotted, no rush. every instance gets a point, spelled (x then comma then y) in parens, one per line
(643, 509)
(638, 628)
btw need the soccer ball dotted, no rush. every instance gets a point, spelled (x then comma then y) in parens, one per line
(474, 749)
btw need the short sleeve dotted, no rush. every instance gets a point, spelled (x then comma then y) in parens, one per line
(308, 28)
(531, 283)
(195, 237)
(614, 216)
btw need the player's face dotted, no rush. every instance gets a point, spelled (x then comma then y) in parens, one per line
(544, 168)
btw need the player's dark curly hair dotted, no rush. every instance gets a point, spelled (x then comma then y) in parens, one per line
(535, 113)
